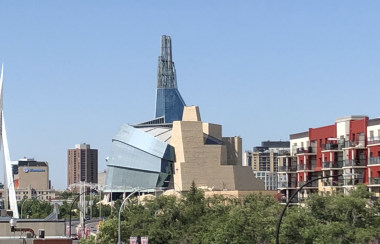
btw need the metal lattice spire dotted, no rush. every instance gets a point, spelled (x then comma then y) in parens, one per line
(166, 75)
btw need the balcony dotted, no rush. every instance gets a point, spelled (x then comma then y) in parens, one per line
(294, 200)
(283, 153)
(333, 182)
(354, 163)
(356, 143)
(306, 167)
(374, 181)
(312, 184)
(309, 150)
(286, 184)
(353, 182)
(373, 140)
(287, 169)
(333, 146)
(332, 165)
(373, 160)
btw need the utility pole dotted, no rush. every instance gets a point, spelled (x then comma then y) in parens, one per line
(90, 203)
(100, 199)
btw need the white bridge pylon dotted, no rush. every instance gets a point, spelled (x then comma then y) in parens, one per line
(7, 161)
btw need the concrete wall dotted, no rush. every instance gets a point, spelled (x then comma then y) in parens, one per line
(234, 150)
(213, 130)
(375, 129)
(297, 143)
(48, 240)
(52, 228)
(239, 194)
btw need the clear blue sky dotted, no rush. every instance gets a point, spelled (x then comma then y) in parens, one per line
(76, 70)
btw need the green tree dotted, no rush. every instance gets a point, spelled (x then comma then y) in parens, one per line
(35, 209)
(193, 218)
(66, 194)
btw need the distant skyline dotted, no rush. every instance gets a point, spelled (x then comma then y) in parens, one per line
(74, 72)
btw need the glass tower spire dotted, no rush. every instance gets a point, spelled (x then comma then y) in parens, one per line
(169, 103)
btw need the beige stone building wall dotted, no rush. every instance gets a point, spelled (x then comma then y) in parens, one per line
(38, 180)
(212, 130)
(234, 150)
(209, 165)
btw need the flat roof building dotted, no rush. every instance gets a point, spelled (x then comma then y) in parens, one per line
(264, 162)
(348, 151)
(31, 179)
(82, 164)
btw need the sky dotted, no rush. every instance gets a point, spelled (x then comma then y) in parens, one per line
(75, 71)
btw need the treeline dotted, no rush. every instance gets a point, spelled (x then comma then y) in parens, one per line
(194, 219)
(40, 209)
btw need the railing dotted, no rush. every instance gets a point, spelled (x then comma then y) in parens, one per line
(306, 150)
(294, 200)
(374, 181)
(373, 140)
(356, 143)
(374, 160)
(353, 182)
(354, 162)
(283, 153)
(304, 199)
(312, 184)
(286, 184)
(332, 164)
(333, 146)
(287, 169)
(306, 166)
(334, 182)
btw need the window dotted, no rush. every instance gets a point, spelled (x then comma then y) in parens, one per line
(371, 134)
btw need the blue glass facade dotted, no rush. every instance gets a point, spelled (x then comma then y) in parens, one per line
(169, 104)
(138, 159)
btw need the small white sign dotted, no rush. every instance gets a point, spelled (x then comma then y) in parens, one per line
(133, 240)
(144, 240)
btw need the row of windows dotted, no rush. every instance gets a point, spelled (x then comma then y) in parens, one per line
(25, 192)
(40, 197)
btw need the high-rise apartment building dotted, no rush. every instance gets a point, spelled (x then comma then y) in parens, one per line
(82, 164)
(264, 162)
(347, 151)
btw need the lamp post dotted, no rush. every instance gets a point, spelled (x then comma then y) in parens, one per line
(29, 199)
(72, 204)
(291, 198)
(121, 207)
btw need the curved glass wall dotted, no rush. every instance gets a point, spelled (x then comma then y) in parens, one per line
(138, 159)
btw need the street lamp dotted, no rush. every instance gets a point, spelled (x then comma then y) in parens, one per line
(30, 199)
(72, 204)
(294, 194)
(121, 207)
